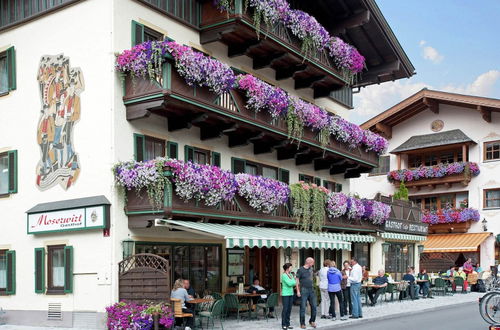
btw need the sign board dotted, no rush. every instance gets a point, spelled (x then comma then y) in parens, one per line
(407, 227)
(92, 217)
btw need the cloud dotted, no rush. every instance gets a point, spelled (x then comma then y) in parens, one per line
(483, 85)
(430, 53)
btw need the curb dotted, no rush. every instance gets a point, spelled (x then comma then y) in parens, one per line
(394, 316)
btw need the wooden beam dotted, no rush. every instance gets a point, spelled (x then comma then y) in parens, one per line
(185, 122)
(307, 82)
(375, 72)
(432, 104)
(266, 61)
(384, 129)
(216, 131)
(485, 113)
(464, 152)
(321, 164)
(289, 71)
(234, 50)
(321, 91)
(353, 21)
(398, 159)
(238, 140)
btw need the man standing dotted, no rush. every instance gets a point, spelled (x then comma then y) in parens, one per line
(468, 269)
(355, 279)
(380, 282)
(306, 292)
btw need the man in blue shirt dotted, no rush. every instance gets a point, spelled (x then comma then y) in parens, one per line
(380, 282)
(412, 287)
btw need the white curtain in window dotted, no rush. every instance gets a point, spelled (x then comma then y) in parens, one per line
(3, 272)
(4, 174)
(58, 268)
(4, 78)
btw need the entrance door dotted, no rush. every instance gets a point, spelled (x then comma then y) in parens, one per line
(398, 259)
(263, 264)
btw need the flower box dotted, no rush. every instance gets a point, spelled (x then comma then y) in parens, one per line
(446, 228)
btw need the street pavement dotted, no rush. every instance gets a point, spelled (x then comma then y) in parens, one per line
(458, 317)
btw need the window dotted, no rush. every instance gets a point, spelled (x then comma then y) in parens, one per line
(197, 155)
(148, 148)
(430, 160)
(245, 166)
(8, 172)
(361, 251)
(414, 161)
(492, 150)
(492, 198)
(7, 71)
(172, 150)
(437, 202)
(306, 178)
(332, 186)
(7, 272)
(383, 166)
(59, 269)
(447, 157)
(142, 33)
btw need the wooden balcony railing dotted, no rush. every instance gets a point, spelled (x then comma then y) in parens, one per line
(272, 46)
(186, 106)
(447, 181)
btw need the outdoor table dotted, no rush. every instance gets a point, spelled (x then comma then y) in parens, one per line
(197, 302)
(367, 286)
(250, 301)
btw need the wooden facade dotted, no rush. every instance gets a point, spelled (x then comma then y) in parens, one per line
(448, 181)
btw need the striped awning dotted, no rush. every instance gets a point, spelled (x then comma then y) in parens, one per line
(241, 236)
(454, 242)
(354, 238)
(403, 237)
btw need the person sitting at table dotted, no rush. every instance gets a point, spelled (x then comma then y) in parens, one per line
(179, 292)
(462, 274)
(424, 286)
(366, 274)
(451, 272)
(478, 268)
(412, 289)
(256, 288)
(381, 282)
(191, 292)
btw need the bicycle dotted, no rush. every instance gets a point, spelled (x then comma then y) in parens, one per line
(492, 283)
(489, 307)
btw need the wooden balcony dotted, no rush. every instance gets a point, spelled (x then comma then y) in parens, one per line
(275, 47)
(447, 181)
(447, 228)
(227, 115)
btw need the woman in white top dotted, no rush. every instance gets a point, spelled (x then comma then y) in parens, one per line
(323, 288)
(180, 292)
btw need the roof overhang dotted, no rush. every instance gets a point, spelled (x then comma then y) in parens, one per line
(442, 140)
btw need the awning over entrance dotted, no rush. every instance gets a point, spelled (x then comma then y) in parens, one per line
(454, 242)
(241, 236)
(403, 237)
(355, 238)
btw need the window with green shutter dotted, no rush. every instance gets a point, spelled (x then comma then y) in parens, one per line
(338, 187)
(147, 147)
(317, 181)
(216, 158)
(142, 33)
(197, 155)
(238, 165)
(284, 175)
(40, 270)
(306, 178)
(139, 147)
(172, 150)
(8, 79)
(7, 272)
(68, 269)
(8, 172)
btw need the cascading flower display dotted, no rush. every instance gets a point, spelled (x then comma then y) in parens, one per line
(129, 315)
(309, 205)
(202, 182)
(263, 194)
(336, 204)
(451, 215)
(435, 171)
(375, 211)
(355, 208)
(261, 95)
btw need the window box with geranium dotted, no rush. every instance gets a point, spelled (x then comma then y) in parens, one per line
(450, 220)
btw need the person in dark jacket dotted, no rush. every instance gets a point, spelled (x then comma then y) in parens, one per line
(424, 286)
(346, 288)
(190, 290)
(412, 288)
(335, 290)
(381, 282)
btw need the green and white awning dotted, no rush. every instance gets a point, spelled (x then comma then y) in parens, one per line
(241, 236)
(403, 237)
(355, 238)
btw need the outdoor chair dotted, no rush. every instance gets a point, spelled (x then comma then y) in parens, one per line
(216, 295)
(216, 312)
(402, 288)
(232, 304)
(440, 286)
(390, 289)
(178, 313)
(458, 282)
(272, 302)
(207, 306)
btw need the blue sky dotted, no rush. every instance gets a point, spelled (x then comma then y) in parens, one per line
(453, 44)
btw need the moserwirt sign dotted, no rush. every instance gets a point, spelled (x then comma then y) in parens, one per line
(405, 227)
(93, 217)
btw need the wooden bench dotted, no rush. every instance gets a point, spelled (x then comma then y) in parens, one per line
(177, 307)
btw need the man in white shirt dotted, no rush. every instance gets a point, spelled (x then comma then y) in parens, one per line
(354, 279)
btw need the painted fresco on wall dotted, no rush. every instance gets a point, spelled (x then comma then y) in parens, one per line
(60, 89)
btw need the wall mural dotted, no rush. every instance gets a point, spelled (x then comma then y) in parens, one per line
(60, 89)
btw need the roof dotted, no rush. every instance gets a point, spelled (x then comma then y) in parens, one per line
(433, 140)
(251, 236)
(454, 242)
(431, 99)
(70, 204)
(362, 24)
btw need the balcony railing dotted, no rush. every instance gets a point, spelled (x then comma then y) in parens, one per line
(271, 47)
(447, 181)
(216, 116)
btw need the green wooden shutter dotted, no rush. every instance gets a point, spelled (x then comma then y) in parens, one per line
(302, 177)
(338, 187)
(11, 272)
(172, 150)
(238, 165)
(137, 33)
(139, 147)
(40, 270)
(325, 183)
(216, 158)
(317, 181)
(284, 175)
(11, 68)
(12, 171)
(188, 153)
(68, 269)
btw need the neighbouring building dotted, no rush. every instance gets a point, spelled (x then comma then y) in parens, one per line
(445, 147)
(72, 244)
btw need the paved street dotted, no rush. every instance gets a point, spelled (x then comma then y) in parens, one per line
(461, 317)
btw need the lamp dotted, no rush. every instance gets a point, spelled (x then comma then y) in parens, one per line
(288, 253)
(128, 248)
(420, 249)
(385, 247)
(485, 224)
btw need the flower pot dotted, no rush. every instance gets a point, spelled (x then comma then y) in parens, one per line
(445, 228)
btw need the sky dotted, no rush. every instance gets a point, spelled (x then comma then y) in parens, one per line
(453, 44)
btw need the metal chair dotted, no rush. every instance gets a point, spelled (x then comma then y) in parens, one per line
(458, 281)
(232, 304)
(440, 286)
(217, 312)
(391, 288)
(216, 295)
(272, 302)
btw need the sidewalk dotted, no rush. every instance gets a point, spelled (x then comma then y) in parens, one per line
(381, 311)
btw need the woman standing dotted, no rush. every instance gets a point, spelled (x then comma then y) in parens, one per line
(287, 284)
(323, 288)
(335, 290)
(346, 288)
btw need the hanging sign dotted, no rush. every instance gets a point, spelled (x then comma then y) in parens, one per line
(92, 217)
